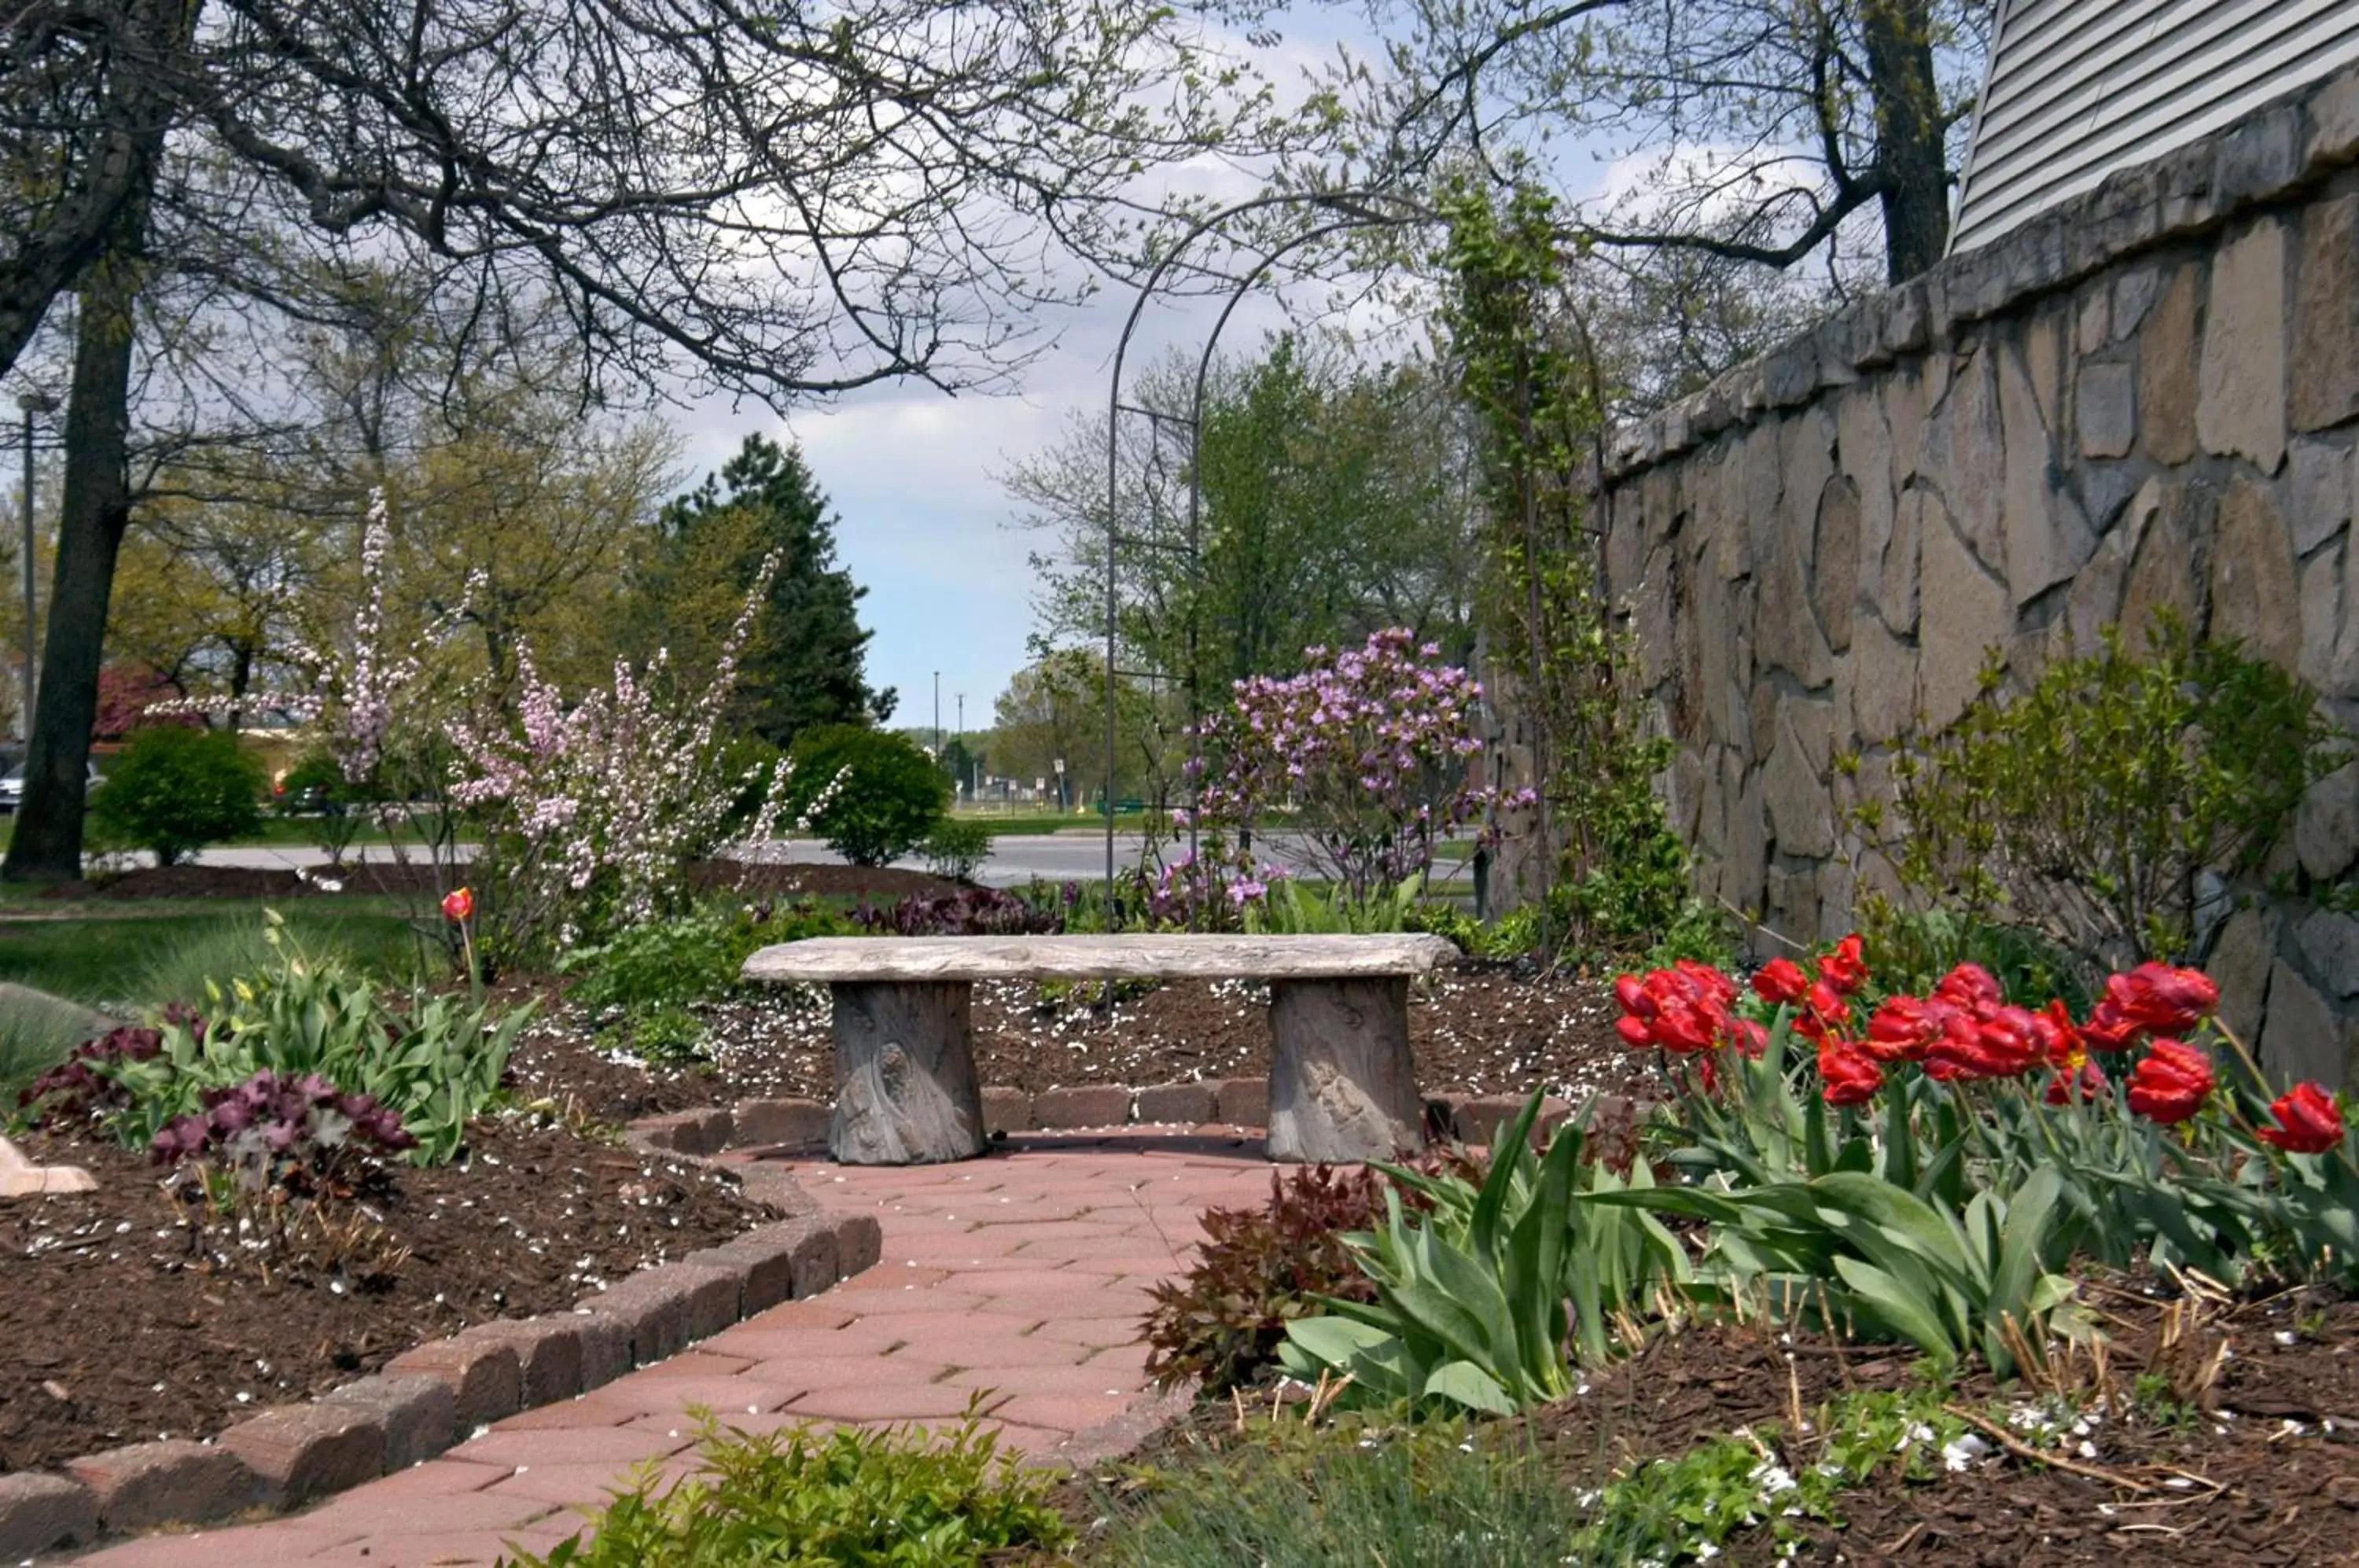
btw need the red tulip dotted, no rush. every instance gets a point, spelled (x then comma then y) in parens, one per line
(1631, 992)
(2060, 1041)
(2171, 1082)
(2085, 1084)
(1970, 986)
(1780, 982)
(1684, 1009)
(459, 905)
(1852, 1076)
(1845, 968)
(1905, 1028)
(2152, 999)
(2163, 999)
(2004, 1043)
(2308, 1122)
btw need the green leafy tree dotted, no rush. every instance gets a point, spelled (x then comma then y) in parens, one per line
(805, 662)
(871, 795)
(1336, 500)
(176, 789)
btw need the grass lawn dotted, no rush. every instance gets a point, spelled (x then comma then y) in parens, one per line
(152, 958)
(130, 962)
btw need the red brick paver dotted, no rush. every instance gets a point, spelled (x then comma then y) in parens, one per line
(1017, 1282)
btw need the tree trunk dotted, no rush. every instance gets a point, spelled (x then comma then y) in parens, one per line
(95, 509)
(1909, 141)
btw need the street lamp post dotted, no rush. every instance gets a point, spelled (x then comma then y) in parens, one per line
(30, 404)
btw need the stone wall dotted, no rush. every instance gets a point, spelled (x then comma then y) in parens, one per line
(2149, 399)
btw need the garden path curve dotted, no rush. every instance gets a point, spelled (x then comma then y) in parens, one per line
(1021, 1277)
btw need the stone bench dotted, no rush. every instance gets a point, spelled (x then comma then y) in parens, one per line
(1341, 1083)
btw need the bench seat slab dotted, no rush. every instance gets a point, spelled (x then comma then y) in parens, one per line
(1342, 1086)
(906, 1091)
(1121, 956)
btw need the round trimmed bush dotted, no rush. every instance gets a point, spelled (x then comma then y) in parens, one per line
(173, 791)
(890, 797)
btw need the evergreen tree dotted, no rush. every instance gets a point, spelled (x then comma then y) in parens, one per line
(805, 662)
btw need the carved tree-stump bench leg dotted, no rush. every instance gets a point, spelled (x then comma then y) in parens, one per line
(1341, 1087)
(905, 1084)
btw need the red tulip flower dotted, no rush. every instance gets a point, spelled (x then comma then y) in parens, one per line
(459, 906)
(1972, 988)
(1905, 1028)
(2087, 1084)
(2308, 1122)
(1780, 982)
(1845, 968)
(2152, 999)
(2171, 1082)
(1852, 1076)
(1684, 1009)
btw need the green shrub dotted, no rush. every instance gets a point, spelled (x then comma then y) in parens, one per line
(1512, 935)
(174, 789)
(316, 785)
(957, 849)
(901, 1498)
(882, 794)
(1298, 1496)
(695, 958)
(2089, 808)
(436, 1063)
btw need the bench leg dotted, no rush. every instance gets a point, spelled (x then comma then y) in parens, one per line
(905, 1084)
(1341, 1087)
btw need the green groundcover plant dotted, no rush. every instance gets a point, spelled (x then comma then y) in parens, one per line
(847, 1498)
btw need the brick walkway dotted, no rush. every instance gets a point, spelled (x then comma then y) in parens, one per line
(1021, 1278)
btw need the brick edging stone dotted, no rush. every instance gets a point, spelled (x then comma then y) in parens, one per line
(440, 1394)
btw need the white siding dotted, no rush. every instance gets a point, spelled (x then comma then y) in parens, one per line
(2078, 88)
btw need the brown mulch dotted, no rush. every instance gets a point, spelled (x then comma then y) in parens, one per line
(2262, 1468)
(122, 1325)
(366, 877)
(1478, 1029)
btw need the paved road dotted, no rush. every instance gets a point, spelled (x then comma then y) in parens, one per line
(1015, 860)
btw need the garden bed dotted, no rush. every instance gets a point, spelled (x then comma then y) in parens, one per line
(124, 1325)
(2261, 1467)
(1477, 1028)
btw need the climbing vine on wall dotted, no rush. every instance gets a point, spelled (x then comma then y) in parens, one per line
(1529, 376)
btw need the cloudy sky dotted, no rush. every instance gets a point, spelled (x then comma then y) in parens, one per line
(913, 473)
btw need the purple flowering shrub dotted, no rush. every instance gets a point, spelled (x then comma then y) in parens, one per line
(298, 1138)
(1366, 752)
(1206, 892)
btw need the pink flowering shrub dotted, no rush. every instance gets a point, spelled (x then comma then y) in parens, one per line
(1366, 754)
(592, 808)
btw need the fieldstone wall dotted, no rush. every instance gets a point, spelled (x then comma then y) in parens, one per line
(2149, 398)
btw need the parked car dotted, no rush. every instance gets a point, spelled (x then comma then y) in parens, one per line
(12, 786)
